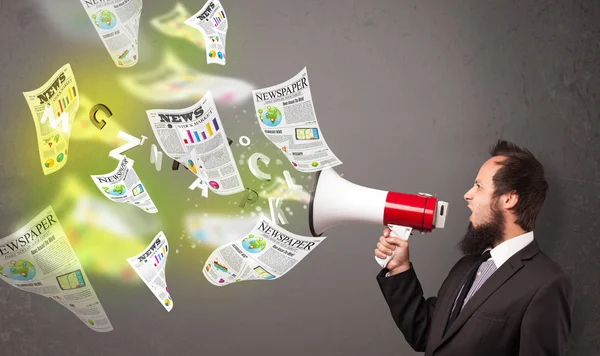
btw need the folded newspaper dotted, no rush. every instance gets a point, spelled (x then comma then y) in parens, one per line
(195, 138)
(123, 186)
(150, 266)
(53, 107)
(212, 22)
(287, 118)
(117, 23)
(267, 252)
(39, 259)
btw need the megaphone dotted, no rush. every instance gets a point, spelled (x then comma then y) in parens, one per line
(334, 201)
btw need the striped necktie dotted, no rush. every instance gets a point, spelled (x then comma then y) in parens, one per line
(478, 274)
(483, 273)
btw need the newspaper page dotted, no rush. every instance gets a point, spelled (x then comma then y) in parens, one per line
(54, 104)
(123, 186)
(195, 138)
(117, 23)
(173, 80)
(39, 259)
(266, 253)
(172, 24)
(286, 115)
(212, 22)
(150, 266)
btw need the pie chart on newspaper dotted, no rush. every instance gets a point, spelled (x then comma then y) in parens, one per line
(192, 167)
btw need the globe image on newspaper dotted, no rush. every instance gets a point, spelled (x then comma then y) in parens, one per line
(105, 19)
(117, 190)
(254, 244)
(270, 116)
(20, 270)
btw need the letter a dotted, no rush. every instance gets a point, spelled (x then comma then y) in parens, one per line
(199, 183)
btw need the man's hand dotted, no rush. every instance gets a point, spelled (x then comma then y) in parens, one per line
(387, 244)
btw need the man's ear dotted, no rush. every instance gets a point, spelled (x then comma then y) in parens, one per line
(509, 200)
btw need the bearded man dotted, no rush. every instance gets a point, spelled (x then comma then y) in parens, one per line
(505, 296)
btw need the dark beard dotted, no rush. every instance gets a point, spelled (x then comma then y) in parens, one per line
(477, 239)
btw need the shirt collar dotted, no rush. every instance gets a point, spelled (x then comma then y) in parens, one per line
(508, 248)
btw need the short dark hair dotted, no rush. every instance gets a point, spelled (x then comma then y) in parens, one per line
(523, 173)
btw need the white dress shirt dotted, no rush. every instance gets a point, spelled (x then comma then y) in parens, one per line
(508, 248)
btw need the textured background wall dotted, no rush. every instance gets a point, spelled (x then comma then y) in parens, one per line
(409, 95)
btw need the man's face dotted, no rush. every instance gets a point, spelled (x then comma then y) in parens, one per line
(479, 197)
(486, 222)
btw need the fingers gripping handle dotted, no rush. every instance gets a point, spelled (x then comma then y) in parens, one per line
(402, 232)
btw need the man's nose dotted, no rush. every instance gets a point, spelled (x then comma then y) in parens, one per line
(467, 196)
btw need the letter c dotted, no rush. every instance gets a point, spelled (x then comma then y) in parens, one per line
(253, 164)
(94, 110)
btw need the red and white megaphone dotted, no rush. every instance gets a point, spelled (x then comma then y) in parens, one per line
(335, 201)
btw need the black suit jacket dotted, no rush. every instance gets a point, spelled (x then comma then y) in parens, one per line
(524, 308)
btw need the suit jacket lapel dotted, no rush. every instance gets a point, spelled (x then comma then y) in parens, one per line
(441, 319)
(497, 279)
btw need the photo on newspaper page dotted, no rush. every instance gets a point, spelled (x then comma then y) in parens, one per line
(53, 107)
(286, 115)
(267, 252)
(117, 23)
(211, 20)
(38, 258)
(150, 266)
(195, 137)
(123, 186)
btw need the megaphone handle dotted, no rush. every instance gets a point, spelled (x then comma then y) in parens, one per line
(402, 232)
